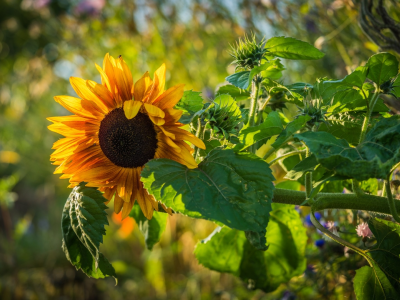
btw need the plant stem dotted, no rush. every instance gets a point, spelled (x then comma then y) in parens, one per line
(308, 177)
(333, 236)
(275, 160)
(336, 201)
(391, 201)
(255, 87)
(198, 132)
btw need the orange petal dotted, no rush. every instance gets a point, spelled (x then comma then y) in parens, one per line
(79, 85)
(118, 203)
(142, 87)
(131, 108)
(157, 121)
(172, 115)
(158, 85)
(102, 93)
(170, 97)
(83, 108)
(126, 209)
(123, 79)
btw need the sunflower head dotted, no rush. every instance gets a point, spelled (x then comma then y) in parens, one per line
(117, 126)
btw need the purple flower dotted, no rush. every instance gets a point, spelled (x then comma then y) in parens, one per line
(307, 220)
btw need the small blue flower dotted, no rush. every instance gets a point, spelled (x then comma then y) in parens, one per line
(319, 243)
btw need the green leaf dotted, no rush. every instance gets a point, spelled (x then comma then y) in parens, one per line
(227, 250)
(222, 250)
(236, 93)
(239, 79)
(382, 67)
(373, 158)
(271, 126)
(291, 48)
(190, 103)
(306, 165)
(382, 279)
(234, 189)
(372, 284)
(226, 101)
(301, 88)
(82, 225)
(151, 229)
(290, 129)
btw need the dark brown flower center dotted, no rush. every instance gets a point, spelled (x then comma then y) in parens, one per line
(127, 143)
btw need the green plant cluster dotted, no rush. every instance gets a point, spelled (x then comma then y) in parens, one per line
(343, 138)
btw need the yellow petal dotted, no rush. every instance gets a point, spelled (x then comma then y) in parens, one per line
(172, 144)
(80, 87)
(124, 81)
(170, 97)
(154, 111)
(172, 115)
(157, 121)
(131, 108)
(102, 93)
(83, 108)
(142, 87)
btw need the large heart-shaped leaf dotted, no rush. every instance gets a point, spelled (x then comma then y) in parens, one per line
(233, 189)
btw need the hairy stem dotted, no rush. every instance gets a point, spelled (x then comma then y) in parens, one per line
(198, 133)
(391, 201)
(275, 160)
(308, 177)
(336, 201)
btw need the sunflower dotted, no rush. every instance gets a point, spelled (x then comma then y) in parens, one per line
(117, 127)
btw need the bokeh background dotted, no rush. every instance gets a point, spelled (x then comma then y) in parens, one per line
(44, 42)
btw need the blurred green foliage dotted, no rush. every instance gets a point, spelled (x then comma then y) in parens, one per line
(44, 42)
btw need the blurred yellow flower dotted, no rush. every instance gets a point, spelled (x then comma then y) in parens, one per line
(117, 127)
(9, 157)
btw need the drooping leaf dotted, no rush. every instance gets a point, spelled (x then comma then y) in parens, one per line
(371, 159)
(236, 93)
(82, 225)
(233, 189)
(291, 48)
(190, 103)
(227, 250)
(239, 79)
(382, 67)
(151, 229)
(271, 126)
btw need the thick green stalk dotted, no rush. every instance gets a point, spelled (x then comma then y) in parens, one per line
(391, 202)
(255, 88)
(336, 201)
(308, 177)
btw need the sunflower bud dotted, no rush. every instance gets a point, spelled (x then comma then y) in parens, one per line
(313, 108)
(223, 115)
(247, 52)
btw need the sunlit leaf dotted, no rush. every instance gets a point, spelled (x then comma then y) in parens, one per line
(190, 103)
(291, 48)
(227, 250)
(236, 93)
(239, 79)
(382, 67)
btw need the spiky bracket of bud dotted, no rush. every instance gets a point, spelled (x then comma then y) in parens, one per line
(313, 108)
(222, 119)
(248, 53)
